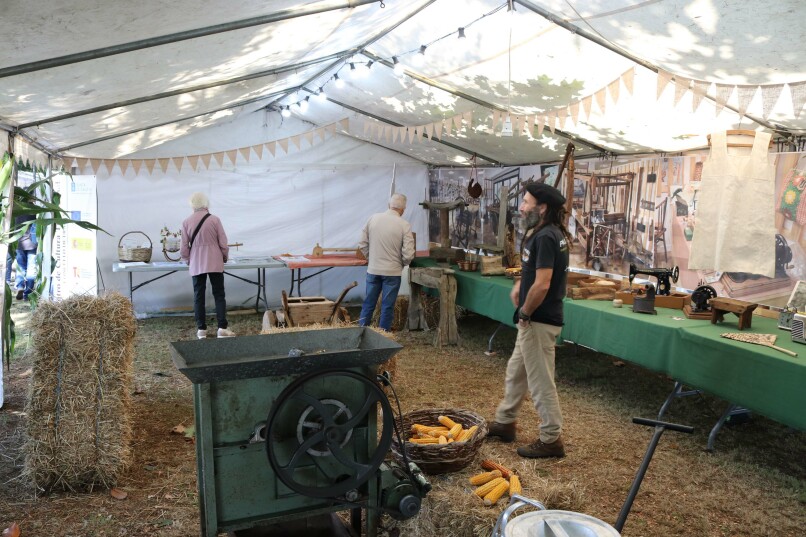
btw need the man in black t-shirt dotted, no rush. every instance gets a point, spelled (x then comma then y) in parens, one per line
(538, 299)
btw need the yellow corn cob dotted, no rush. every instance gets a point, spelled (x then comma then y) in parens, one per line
(426, 428)
(480, 479)
(471, 432)
(436, 433)
(485, 489)
(515, 485)
(424, 440)
(450, 440)
(442, 440)
(488, 464)
(446, 421)
(455, 430)
(496, 493)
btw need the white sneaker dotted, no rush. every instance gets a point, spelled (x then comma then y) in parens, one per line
(225, 332)
(201, 334)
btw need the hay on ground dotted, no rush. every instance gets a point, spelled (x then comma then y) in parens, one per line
(79, 410)
(400, 314)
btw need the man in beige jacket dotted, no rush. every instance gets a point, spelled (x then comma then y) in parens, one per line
(387, 242)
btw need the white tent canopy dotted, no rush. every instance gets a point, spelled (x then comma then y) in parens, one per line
(187, 65)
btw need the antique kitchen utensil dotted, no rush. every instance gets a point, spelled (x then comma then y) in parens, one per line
(474, 189)
(646, 303)
(766, 340)
(318, 251)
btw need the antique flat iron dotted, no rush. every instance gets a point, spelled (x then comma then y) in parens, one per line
(645, 303)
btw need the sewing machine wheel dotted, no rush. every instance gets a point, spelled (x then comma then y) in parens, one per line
(675, 273)
(317, 433)
(701, 296)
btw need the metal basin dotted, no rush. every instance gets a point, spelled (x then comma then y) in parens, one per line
(214, 360)
(555, 523)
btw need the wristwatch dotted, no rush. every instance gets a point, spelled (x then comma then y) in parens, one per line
(522, 316)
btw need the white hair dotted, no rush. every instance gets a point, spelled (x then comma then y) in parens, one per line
(397, 201)
(199, 201)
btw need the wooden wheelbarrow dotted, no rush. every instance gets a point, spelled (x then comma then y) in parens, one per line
(307, 310)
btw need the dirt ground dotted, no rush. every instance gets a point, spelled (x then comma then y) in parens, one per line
(754, 484)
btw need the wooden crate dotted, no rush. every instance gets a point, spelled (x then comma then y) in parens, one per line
(310, 309)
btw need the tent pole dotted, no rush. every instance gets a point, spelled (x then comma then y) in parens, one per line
(581, 32)
(103, 52)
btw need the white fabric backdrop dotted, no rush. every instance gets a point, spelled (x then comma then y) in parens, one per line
(280, 205)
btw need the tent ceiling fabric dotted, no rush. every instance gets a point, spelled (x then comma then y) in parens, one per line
(518, 61)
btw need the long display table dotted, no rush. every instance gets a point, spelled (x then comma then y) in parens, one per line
(324, 262)
(690, 351)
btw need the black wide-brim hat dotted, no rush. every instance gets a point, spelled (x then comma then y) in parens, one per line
(544, 193)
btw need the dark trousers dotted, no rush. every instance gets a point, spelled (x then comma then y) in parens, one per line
(200, 289)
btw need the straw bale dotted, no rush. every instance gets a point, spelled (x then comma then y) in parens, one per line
(400, 315)
(79, 419)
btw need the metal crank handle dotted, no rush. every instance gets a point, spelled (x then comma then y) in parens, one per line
(667, 425)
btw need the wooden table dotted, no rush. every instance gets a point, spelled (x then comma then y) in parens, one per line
(443, 280)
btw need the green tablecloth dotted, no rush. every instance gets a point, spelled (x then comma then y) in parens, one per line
(691, 351)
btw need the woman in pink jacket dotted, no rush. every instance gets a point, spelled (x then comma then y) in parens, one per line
(205, 250)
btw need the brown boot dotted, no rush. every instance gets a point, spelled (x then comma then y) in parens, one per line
(540, 449)
(504, 431)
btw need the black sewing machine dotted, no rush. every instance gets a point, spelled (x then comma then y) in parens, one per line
(663, 275)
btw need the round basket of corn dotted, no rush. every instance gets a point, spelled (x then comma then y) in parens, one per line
(440, 440)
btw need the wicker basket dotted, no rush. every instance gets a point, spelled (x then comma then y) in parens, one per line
(128, 254)
(435, 458)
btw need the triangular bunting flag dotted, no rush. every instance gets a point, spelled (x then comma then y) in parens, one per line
(680, 88)
(331, 129)
(746, 94)
(193, 160)
(428, 129)
(163, 162)
(258, 149)
(769, 97)
(410, 134)
(518, 124)
(496, 119)
(601, 98)
(232, 155)
(320, 132)
(73, 164)
(457, 122)
(562, 113)
(367, 125)
(283, 143)
(206, 160)
(698, 91)
(178, 162)
(587, 102)
(295, 140)
(136, 166)
(574, 108)
(418, 134)
(446, 126)
(387, 133)
(272, 146)
(395, 133)
(95, 164)
(438, 130)
(798, 92)
(219, 158)
(244, 151)
(551, 119)
(123, 164)
(81, 163)
(541, 123)
(530, 122)
(723, 93)
(468, 119)
(109, 164)
(613, 88)
(309, 136)
(150, 163)
(628, 78)
(663, 80)
(345, 124)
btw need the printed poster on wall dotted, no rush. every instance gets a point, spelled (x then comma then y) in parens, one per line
(74, 248)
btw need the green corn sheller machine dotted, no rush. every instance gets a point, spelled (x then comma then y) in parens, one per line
(287, 427)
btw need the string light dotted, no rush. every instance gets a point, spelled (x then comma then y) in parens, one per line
(286, 112)
(397, 66)
(337, 81)
(461, 33)
(303, 104)
(322, 96)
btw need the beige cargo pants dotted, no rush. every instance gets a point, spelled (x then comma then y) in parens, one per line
(531, 367)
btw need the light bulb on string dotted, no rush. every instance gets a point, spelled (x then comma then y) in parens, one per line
(339, 83)
(461, 33)
(303, 104)
(397, 66)
(419, 58)
(321, 95)
(286, 112)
